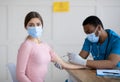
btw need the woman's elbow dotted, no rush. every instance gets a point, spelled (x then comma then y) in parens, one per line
(18, 75)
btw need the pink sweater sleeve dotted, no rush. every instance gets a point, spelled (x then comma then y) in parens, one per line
(22, 60)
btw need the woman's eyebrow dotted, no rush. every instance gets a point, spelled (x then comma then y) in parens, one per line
(31, 23)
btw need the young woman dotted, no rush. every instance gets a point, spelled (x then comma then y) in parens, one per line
(34, 55)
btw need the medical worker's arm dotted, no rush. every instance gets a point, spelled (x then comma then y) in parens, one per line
(112, 61)
(22, 59)
(84, 54)
(76, 59)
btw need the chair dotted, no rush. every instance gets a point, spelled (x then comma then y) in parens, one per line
(12, 69)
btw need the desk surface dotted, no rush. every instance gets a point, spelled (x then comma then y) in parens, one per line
(86, 75)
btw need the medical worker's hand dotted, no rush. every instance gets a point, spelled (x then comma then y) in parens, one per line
(76, 59)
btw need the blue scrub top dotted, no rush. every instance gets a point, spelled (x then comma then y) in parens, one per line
(101, 51)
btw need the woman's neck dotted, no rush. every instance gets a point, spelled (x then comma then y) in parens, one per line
(36, 40)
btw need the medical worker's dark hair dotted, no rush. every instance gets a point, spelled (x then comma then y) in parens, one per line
(93, 20)
(31, 15)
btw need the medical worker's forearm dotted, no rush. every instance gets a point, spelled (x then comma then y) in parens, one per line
(100, 64)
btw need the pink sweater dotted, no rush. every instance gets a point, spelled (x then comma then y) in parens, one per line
(32, 61)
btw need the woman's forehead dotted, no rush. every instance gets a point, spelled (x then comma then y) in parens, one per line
(34, 20)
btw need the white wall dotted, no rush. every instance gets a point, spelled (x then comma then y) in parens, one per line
(63, 31)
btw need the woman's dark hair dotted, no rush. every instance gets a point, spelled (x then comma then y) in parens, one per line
(93, 20)
(31, 15)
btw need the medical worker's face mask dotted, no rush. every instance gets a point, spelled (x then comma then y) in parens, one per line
(35, 32)
(92, 37)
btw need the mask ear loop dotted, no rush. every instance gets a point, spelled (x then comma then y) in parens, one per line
(97, 28)
(96, 31)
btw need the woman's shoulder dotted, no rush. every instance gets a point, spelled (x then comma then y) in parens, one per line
(26, 43)
(46, 45)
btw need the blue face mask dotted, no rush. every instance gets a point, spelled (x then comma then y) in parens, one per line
(93, 38)
(35, 32)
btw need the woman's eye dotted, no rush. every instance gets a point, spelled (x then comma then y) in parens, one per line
(31, 25)
(38, 24)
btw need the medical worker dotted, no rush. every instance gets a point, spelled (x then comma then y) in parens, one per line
(103, 44)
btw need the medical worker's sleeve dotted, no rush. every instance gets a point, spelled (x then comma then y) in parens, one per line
(86, 45)
(116, 47)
